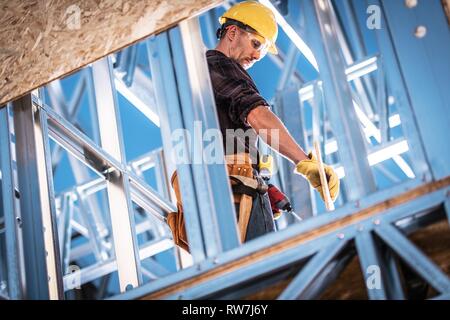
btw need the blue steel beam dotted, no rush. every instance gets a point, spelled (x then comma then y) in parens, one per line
(42, 261)
(269, 242)
(90, 206)
(359, 179)
(199, 105)
(312, 270)
(289, 110)
(289, 67)
(184, 99)
(447, 207)
(359, 51)
(414, 257)
(169, 110)
(370, 257)
(396, 84)
(394, 282)
(427, 82)
(9, 204)
(118, 189)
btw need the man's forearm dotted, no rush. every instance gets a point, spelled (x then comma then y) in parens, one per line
(264, 121)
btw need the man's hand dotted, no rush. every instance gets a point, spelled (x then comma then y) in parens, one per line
(310, 170)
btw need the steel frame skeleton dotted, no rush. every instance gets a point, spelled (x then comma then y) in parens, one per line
(11, 213)
(185, 96)
(42, 262)
(182, 97)
(57, 128)
(264, 260)
(86, 151)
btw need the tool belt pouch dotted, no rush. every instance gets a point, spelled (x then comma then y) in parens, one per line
(238, 165)
(175, 220)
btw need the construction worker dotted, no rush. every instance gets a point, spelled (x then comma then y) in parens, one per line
(248, 31)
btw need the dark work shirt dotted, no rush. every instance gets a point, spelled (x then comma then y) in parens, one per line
(236, 95)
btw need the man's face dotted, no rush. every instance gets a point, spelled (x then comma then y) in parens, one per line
(247, 48)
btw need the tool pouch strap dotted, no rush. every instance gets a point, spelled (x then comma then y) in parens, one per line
(237, 165)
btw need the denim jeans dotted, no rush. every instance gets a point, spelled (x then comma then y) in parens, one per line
(261, 217)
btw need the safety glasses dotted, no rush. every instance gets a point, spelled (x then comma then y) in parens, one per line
(257, 42)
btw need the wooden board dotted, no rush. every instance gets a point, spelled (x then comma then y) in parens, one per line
(42, 40)
(302, 238)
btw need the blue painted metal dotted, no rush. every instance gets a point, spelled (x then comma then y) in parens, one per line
(359, 178)
(311, 271)
(289, 67)
(54, 267)
(169, 110)
(414, 257)
(27, 149)
(447, 208)
(255, 269)
(431, 87)
(327, 277)
(118, 186)
(382, 103)
(393, 279)
(355, 40)
(204, 187)
(198, 104)
(9, 205)
(396, 85)
(91, 208)
(210, 20)
(295, 187)
(445, 296)
(126, 62)
(288, 256)
(369, 257)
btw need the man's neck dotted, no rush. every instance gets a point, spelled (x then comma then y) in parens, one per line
(220, 47)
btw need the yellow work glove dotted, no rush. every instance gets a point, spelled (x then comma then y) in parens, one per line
(309, 168)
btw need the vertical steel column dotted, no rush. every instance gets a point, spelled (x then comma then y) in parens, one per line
(213, 191)
(396, 83)
(9, 204)
(369, 258)
(289, 67)
(359, 179)
(357, 45)
(169, 111)
(121, 210)
(421, 34)
(414, 257)
(184, 96)
(42, 261)
(296, 187)
(91, 208)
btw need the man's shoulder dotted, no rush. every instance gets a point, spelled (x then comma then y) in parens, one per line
(216, 57)
(220, 63)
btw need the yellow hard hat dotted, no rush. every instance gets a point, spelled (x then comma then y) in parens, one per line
(258, 17)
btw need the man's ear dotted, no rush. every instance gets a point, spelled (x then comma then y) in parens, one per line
(231, 32)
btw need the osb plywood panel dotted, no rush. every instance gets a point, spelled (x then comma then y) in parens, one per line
(42, 40)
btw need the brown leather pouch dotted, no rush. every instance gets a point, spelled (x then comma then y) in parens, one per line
(175, 220)
(237, 165)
